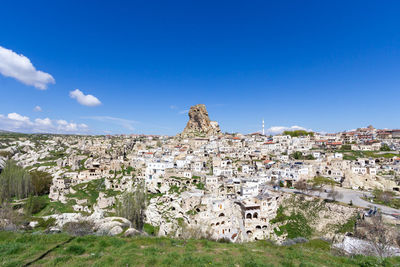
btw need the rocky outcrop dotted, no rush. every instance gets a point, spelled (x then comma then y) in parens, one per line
(199, 124)
(101, 225)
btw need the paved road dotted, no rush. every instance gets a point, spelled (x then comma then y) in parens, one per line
(347, 195)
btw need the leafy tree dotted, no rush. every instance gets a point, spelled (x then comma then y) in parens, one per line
(15, 181)
(297, 155)
(385, 147)
(41, 182)
(310, 157)
(132, 206)
(298, 133)
(346, 147)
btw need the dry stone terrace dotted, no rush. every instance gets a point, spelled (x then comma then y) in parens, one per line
(220, 184)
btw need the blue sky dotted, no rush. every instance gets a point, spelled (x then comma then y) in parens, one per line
(322, 65)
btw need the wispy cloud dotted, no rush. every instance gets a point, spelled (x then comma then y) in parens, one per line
(19, 123)
(37, 109)
(183, 111)
(173, 107)
(20, 68)
(86, 100)
(127, 124)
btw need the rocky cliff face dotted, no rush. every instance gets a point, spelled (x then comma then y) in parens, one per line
(199, 124)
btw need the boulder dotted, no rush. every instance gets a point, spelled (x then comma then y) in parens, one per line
(116, 230)
(132, 232)
(111, 225)
(33, 224)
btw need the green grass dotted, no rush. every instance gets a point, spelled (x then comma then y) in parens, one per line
(46, 164)
(150, 229)
(89, 191)
(295, 225)
(17, 249)
(354, 155)
(347, 226)
(391, 201)
(56, 207)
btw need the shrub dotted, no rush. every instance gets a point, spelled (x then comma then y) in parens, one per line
(76, 249)
(80, 228)
(150, 229)
(385, 147)
(294, 225)
(41, 182)
(297, 155)
(34, 205)
(47, 223)
(9, 218)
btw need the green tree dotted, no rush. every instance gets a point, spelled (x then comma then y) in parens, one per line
(298, 133)
(132, 206)
(385, 147)
(15, 181)
(297, 155)
(41, 182)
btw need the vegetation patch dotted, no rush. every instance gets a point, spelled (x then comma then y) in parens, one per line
(294, 225)
(17, 249)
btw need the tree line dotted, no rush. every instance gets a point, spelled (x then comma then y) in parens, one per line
(17, 182)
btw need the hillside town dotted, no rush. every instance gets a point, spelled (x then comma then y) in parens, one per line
(228, 186)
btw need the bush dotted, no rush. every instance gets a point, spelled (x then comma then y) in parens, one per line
(34, 205)
(150, 229)
(80, 228)
(385, 147)
(41, 182)
(295, 225)
(76, 249)
(297, 155)
(9, 218)
(46, 223)
(346, 147)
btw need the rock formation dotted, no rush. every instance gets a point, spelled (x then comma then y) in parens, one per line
(199, 124)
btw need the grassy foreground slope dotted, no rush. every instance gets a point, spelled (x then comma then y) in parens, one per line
(18, 249)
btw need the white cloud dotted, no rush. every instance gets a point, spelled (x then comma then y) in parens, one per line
(173, 107)
(43, 122)
(86, 100)
(127, 124)
(280, 129)
(62, 122)
(16, 117)
(18, 123)
(20, 68)
(184, 111)
(37, 109)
